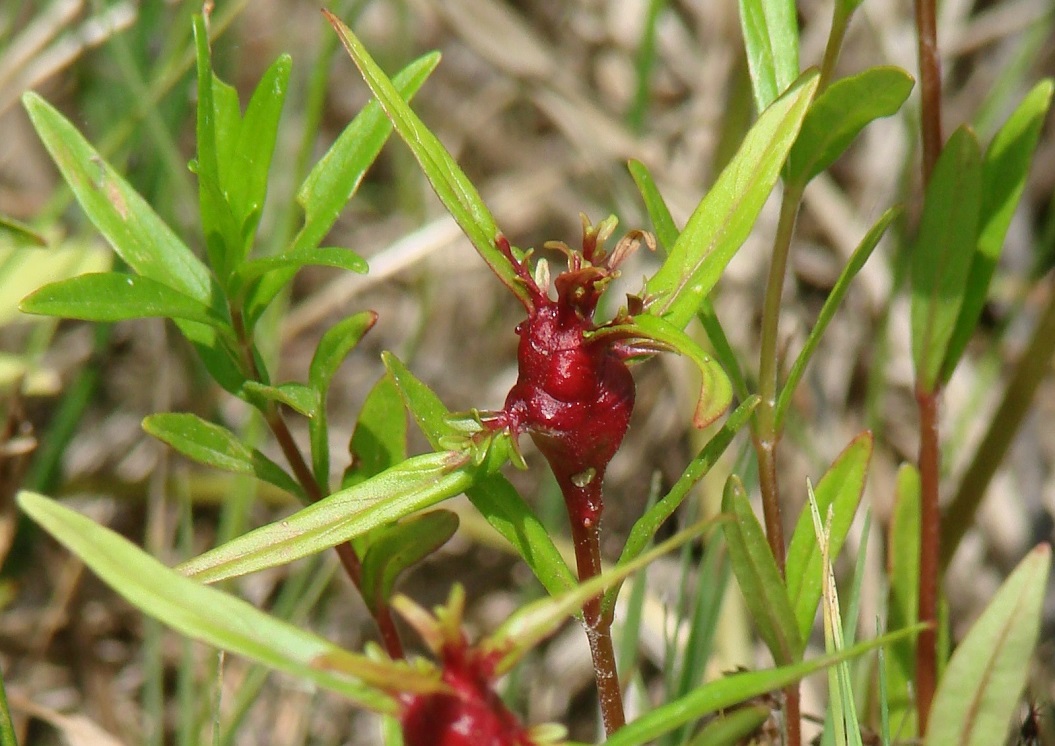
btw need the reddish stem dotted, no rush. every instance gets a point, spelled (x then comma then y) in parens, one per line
(930, 541)
(930, 85)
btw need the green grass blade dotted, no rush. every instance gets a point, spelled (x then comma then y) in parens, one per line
(724, 217)
(210, 615)
(841, 487)
(941, 258)
(731, 690)
(903, 601)
(758, 577)
(1004, 171)
(839, 114)
(831, 305)
(337, 175)
(451, 184)
(980, 688)
(771, 36)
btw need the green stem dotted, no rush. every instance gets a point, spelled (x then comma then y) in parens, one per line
(840, 20)
(1033, 366)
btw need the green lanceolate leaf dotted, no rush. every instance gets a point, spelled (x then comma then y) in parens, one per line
(662, 221)
(117, 296)
(296, 396)
(216, 446)
(732, 690)
(980, 689)
(337, 175)
(716, 392)
(831, 305)
(941, 258)
(19, 232)
(216, 618)
(124, 218)
(451, 184)
(841, 487)
(840, 113)
(396, 547)
(757, 574)
(330, 256)
(903, 547)
(417, 483)
(732, 728)
(771, 36)
(379, 440)
(496, 499)
(723, 219)
(1004, 171)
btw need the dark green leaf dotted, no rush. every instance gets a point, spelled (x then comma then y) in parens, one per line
(731, 690)
(495, 498)
(396, 547)
(1004, 171)
(841, 487)
(840, 113)
(771, 36)
(980, 689)
(379, 440)
(903, 570)
(451, 184)
(135, 231)
(337, 175)
(941, 258)
(757, 574)
(723, 219)
(333, 348)
(219, 619)
(296, 396)
(116, 296)
(831, 305)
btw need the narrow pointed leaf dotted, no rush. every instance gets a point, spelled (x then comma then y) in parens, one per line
(451, 184)
(1004, 171)
(980, 689)
(903, 596)
(725, 216)
(333, 348)
(942, 256)
(337, 175)
(417, 483)
(771, 36)
(209, 615)
(840, 113)
(758, 576)
(733, 727)
(19, 232)
(296, 396)
(330, 256)
(841, 487)
(379, 440)
(732, 690)
(124, 218)
(117, 296)
(399, 546)
(494, 496)
(831, 305)
(662, 221)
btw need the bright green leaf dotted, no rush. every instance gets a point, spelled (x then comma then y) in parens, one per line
(324, 257)
(24, 269)
(451, 184)
(903, 550)
(216, 618)
(941, 258)
(333, 348)
(733, 727)
(662, 221)
(731, 690)
(394, 548)
(725, 216)
(841, 487)
(757, 574)
(337, 175)
(496, 499)
(831, 305)
(771, 36)
(116, 296)
(1004, 171)
(296, 396)
(840, 112)
(20, 233)
(979, 691)
(417, 483)
(124, 218)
